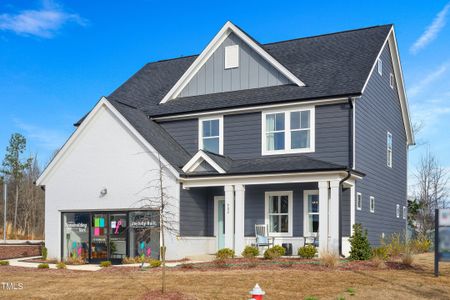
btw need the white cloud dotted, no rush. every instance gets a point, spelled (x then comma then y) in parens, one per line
(44, 138)
(432, 30)
(428, 79)
(44, 22)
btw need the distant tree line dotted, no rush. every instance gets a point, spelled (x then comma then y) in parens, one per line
(25, 205)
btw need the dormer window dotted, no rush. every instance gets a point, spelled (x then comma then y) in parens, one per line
(231, 56)
(211, 134)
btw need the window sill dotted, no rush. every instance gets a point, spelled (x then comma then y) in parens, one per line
(278, 152)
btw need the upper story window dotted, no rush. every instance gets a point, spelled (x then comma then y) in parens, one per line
(211, 134)
(389, 149)
(231, 56)
(391, 80)
(372, 204)
(380, 66)
(405, 212)
(279, 213)
(290, 131)
(397, 210)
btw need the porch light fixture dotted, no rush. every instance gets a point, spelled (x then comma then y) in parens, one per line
(103, 192)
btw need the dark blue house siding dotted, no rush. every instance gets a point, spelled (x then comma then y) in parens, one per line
(377, 112)
(242, 134)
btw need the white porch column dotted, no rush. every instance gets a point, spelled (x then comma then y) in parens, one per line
(333, 225)
(323, 216)
(239, 239)
(229, 216)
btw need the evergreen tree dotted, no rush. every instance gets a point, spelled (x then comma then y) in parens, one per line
(360, 246)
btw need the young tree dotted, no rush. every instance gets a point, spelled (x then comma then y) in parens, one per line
(432, 191)
(160, 198)
(14, 166)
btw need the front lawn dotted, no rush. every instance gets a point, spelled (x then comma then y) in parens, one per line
(351, 280)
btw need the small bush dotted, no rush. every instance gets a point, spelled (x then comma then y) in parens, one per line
(250, 252)
(274, 252)
(44, 252)
(407, 258)
(75, 261)
(396, 245)
(381, 252)
(360, 246)
(279, 249)
(225, 253)
(61, 265)
(4, 263)
(329, 259)
(154, 263)
(421, 244)
(128, 260)
(43, 266)
(308, 251)
(105, 264)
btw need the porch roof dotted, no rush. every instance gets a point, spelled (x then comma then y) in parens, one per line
(269, 164)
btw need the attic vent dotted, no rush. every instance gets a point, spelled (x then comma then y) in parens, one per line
(231, 57)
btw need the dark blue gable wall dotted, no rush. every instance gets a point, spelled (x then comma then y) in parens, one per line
(377, 112)
(242, 134)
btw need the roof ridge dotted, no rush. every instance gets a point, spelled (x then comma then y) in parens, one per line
(279, 42)
(326, 34)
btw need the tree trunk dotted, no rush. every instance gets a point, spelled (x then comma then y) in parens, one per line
(15, 210)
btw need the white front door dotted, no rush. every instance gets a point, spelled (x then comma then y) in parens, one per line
(219, 221)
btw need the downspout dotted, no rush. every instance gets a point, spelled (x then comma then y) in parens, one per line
(350, 167)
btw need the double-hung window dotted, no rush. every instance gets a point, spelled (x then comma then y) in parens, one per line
(211, 135)
(389, 149)
(311, 213)
(358, 201)
(279, 213)
(290, 131)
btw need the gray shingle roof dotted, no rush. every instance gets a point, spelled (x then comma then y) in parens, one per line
(330, 65)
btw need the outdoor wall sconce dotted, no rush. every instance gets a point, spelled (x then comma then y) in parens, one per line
(103, 192)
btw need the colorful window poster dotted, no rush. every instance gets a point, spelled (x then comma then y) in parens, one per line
(102, 222)
(96, 222)
(96, 231)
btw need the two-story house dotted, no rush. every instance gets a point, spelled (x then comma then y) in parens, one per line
(307, 136)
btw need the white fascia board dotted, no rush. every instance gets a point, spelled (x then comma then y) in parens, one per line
(73, 138)
(391, 39)
(195, 161)
(212, 47)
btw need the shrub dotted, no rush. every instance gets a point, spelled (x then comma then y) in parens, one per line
(75, 261)
(381, 252)
(128, 260)
(407, 258)
(250, 252)
(274, 252)
(396, 245)
(44, 252)
(187, 266)
(154, 263)
(421, 244)
(43, 266)
(225, 253)
(360, 246)
(105, 264)
(61, 265)
(4, 263)
(308, 251)
(328, 259)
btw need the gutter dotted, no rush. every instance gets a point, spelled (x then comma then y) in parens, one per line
(349, 170)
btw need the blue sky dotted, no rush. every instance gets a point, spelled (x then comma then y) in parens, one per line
(58, 58)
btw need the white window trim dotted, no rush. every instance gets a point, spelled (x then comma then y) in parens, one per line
(405, 212)
(391, 80)
(287, 131)
(290, 211)
(389, 158)
(200, 131)
(380, 66)
(229, 51)
(358, 207)
(306, 229)
(397, 211)
(372, 206)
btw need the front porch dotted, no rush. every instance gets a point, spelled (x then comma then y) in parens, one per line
(224, 211)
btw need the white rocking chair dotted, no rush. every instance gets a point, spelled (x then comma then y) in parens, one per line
(262, 236)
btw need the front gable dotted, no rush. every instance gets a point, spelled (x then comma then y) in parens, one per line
(249, 67)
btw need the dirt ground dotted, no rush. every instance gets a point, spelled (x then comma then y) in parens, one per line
(230, 283)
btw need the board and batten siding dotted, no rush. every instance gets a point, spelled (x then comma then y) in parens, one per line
(243, 134)
(377, 112)
(253, 72)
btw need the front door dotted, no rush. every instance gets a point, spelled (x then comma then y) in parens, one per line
(220, 222)
(117, 236)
